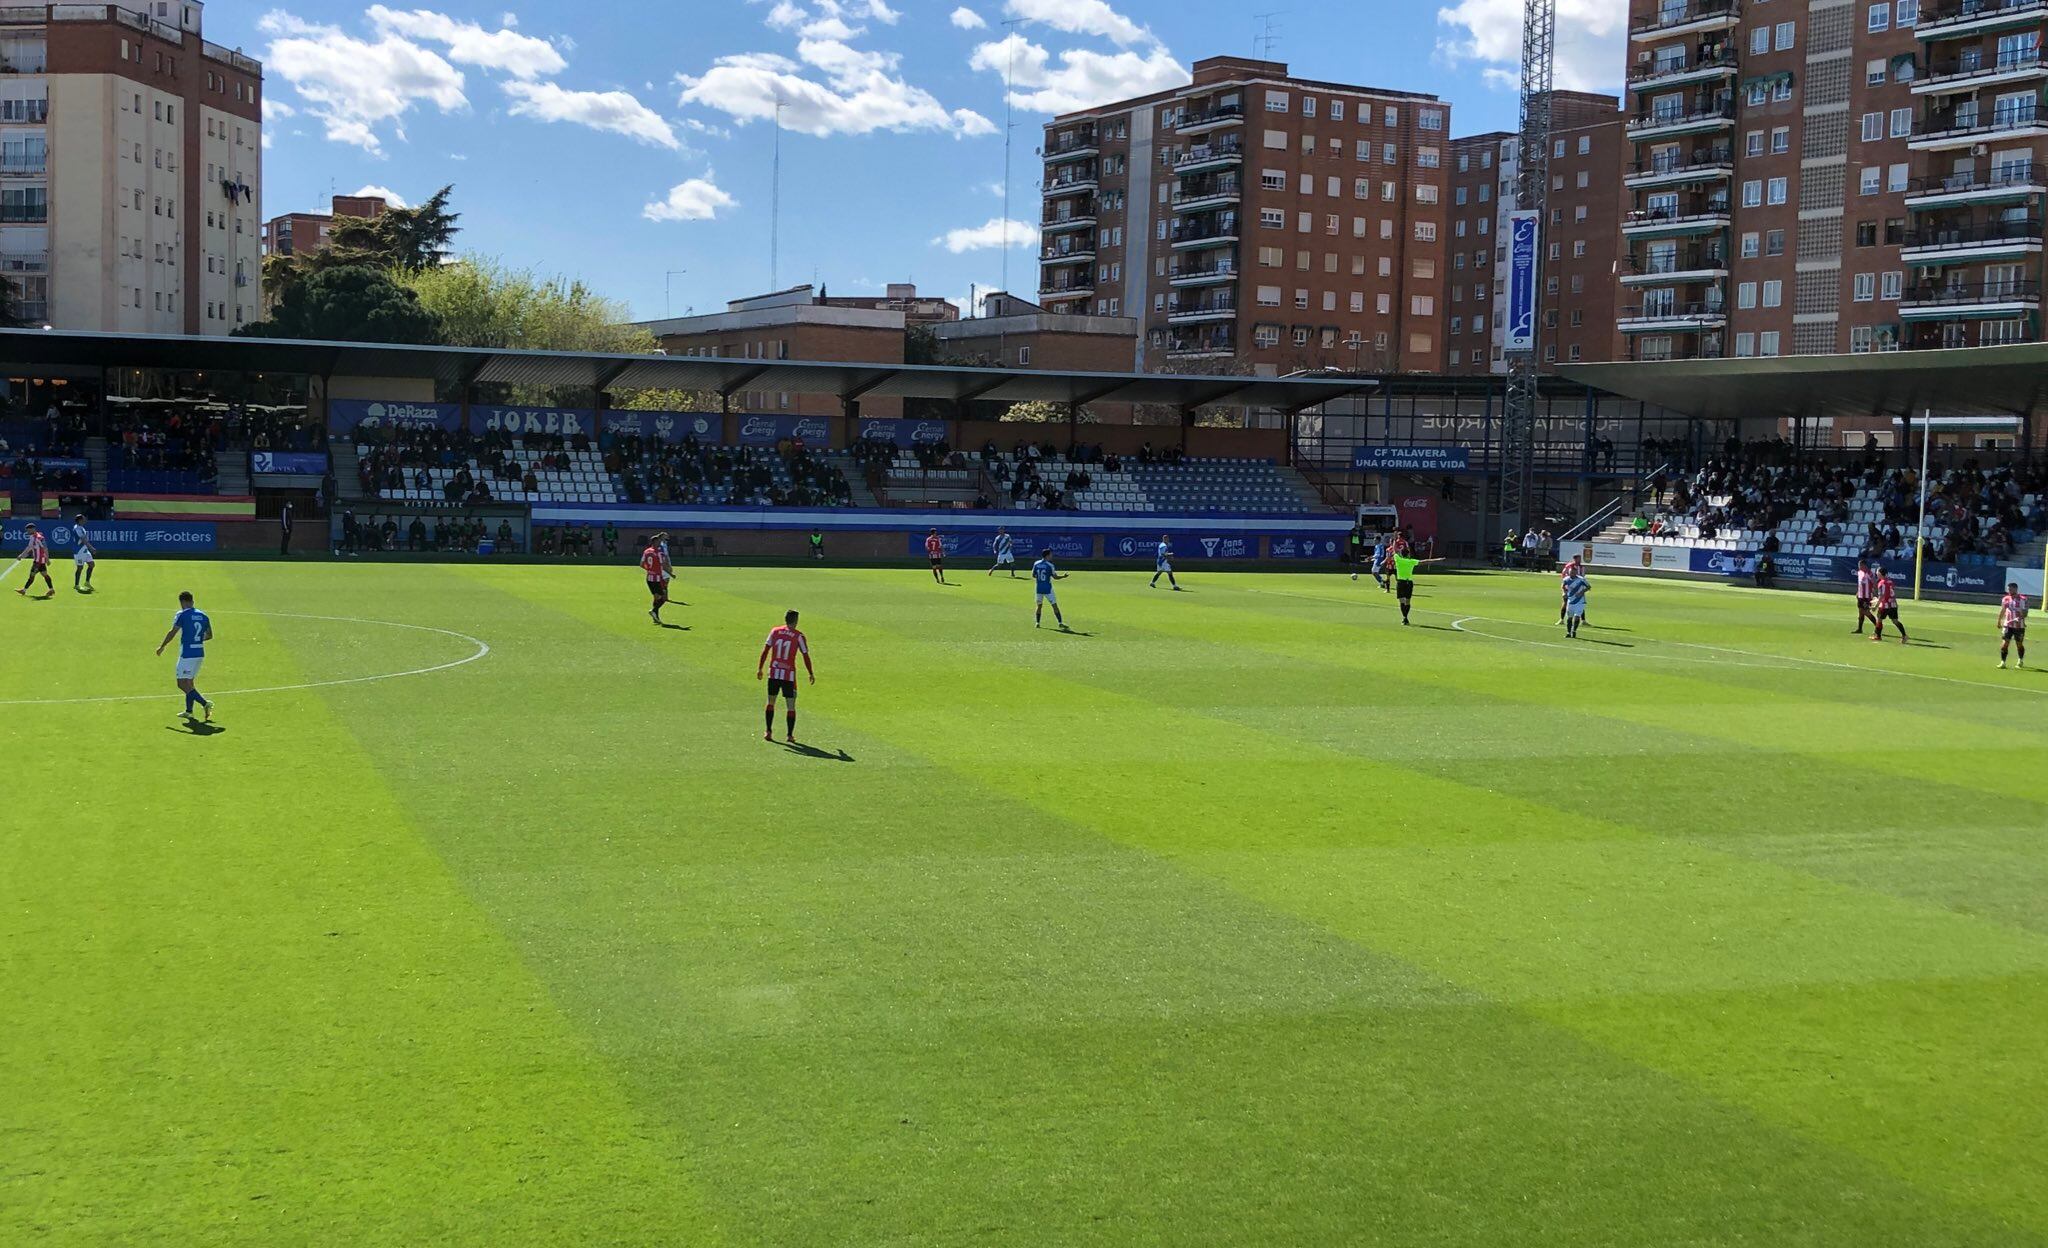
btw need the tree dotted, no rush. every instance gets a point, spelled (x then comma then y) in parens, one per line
(1039, 411)
(482, 303)
(351, 303)
(665, 401)
(10, 306)
(407, 239)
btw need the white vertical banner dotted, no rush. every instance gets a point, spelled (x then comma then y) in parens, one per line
(1524, 236)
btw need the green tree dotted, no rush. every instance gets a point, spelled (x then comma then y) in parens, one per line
(10, 306)
(482, 303)
(1041, 412)
(408, 239)
(352, 304)
(665, 401)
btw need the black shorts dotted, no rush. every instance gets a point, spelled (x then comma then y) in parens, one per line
(778, 687)
(2016, 633)
(937, 560)
(1887, 613)
(1863, 604)
(1404, 589)
(658, 588)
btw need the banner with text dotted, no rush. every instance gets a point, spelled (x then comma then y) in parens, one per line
(348, 415)
(1306, 546)
(1024, 546)
(904, 433)
(1524, 232)
(156, 536)
(769, 430)
(1186, 545)
(665, 426)
(1629, 555)
(1412, 458)
(293, 463)
(564, 422)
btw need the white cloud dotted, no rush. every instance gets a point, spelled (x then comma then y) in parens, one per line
(786, 16)
(508, 19)
(993, 233)
(615, 111)
(353, 85)
(862, 92)
(385, 193)
(698, 199)
(829, 28)
(1591, 36)
(967, 19)
(506, 51)
(1082, 79)
(1082, 17)
(275, 109)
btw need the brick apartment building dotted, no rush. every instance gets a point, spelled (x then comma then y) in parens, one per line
(1581, 238)
(1855, 176)
(301, 233)
(1252, 219)
(131, 159)
(1016, 333)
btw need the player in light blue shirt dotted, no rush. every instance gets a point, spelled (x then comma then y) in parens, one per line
(1042, 576)
(1163, 563)
(83, 557)
(1575, 587)
(1006, 556)
(193, 630)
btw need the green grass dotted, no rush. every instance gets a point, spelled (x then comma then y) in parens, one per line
(1246, 916)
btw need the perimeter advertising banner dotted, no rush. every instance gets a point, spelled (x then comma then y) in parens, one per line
(1412, 458)
(1524, 235)
(154, 536)
(769, 430)
(1024, 546)
(1305, 546)
(348, 415)
(904, 433)
(664, 426)
(1630, 555)
(292, 463)
(564, 422)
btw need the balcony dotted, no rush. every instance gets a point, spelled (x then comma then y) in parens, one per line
(1697, 216)
(24, 169)
(1191, 235)
(1685, 17)
(1956, 334)
(1057, 289)
(1082, 182)
(1963, 19)
(25, 262)
(1967, 124)
(1660, 351)
(2005, 183)
(1706, 65)
(1068, 255)
(1199, 193)
(24, 214)
(1967, 242)
(1218, 305)
(1221, 269)
(1209, 156)
(1072, 147)
(1209, 120)
(1212, 342)
(1674, 168)
(1080, 220)
(1700, 116)
(1993, 300)
(1666, 267)
(1671, 317)
(1973, 70)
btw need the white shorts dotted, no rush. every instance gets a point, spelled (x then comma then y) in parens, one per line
(1574, 611)
(1047, 596)
(82, 557)
(1163, 565)
(1005, 559)
(188, 669)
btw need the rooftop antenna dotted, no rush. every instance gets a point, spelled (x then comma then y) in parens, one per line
(1268, 36)
(1009, 132)
(775, 206)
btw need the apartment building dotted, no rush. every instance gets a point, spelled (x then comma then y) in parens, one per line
(898, 297)
(1839, 176)
(302, 233)
(792, 324)
(1016, 333)
(131, 154)
(1580, 238)
(1253, 220)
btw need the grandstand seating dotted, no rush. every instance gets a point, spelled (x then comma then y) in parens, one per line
(1195, 485)
(1847, 539)
(583, 481)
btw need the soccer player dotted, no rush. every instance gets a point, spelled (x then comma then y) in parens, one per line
(1575, 587)
(37, 552)
(1006, 553)
(935, 550)
(655, 566)
(1404, 579)
(1162, 564)
(778, 657)
(1042, 576)
(82, 556)
(2012, 623)
(1865, 583)
(193, 630)
(1383, 566)
(1887, 608)
(1571, 568)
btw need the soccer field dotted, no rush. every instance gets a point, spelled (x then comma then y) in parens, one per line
(1241, 916)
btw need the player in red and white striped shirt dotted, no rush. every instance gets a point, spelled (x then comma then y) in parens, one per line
(37, 552)
(1866, 584)
(935, 550)
(2012, 623)
(655, 565)
(1887, 608)
(778, 658)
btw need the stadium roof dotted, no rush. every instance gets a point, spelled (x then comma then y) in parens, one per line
(459, 366)
(2008, 380)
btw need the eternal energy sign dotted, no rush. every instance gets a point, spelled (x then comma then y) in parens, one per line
(1524, 235)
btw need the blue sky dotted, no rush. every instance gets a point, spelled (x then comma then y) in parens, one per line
(628, 142)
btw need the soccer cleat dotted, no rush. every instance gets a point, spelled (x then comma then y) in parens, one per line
(207, 709)
(2001, 665)
(768, 736)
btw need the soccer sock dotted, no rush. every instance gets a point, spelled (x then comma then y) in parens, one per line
(791, 721)
(769, 725)
(201, 698)
(191, 696)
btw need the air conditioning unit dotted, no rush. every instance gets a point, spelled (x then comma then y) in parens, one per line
(1980, 150)
(1643, 57)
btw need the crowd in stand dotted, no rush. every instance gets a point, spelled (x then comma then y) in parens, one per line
(1977, 510)
(688, 472)
(421, 533)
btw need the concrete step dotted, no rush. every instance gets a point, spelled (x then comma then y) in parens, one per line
(96, 456)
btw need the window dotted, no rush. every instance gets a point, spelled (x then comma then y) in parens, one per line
(1745, 295)
(1425, 231)
(1902, 122)
(1749, 245)
(1760, 40)
(1425, 194)
(1872, 177)
(1272, 258)
(1269, 296)
(1781, 140)
(1774, 242)
(1879, 17)
(1308, 184)
(1752, 193)
(1427, 119)
(1276, 101)
(1894, 231)
(1585, 144)
(1759, 92)
(1774, 293)
(1865, 284)
(1866, 233)
(1273, 179)
(1873, 73)
(1776, 192)
(1273, 218)
(1390, 154)
(1428, 157)
(1781, 90)
(1357, 301)
(1753, 143)
(1300, 335)
(1786, 32)
(1909, 13)
(1275, 140)
(1891, 285)
(1767, 342)
(1301, 299)
(1308, 106)
(1336, 110)
(1745, 344)
(1458, 196)
(1304, 222)
(1873, 127)
(1895, 177)
(1266, 335)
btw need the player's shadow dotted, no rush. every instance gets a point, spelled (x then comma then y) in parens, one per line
(812, 751)
(679, 628)
(1072, 632)
(1601, 641)
(196, 728)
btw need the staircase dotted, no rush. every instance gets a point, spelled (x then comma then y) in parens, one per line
(348, 477)
(856, 481)
(96, 458)
(231, 473)
(1311, 497)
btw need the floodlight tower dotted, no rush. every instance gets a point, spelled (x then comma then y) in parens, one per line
(1525, 323)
